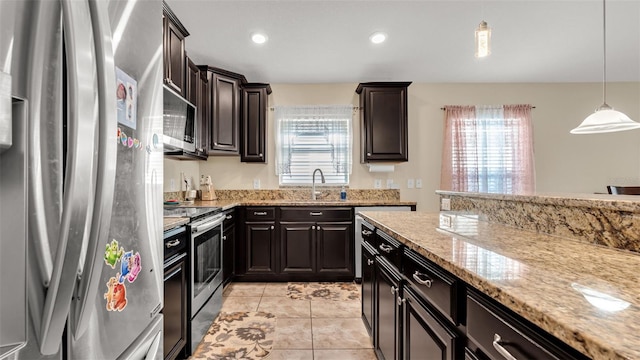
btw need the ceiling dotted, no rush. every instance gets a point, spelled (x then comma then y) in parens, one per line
(428, 41)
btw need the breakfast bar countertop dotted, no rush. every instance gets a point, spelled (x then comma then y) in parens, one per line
(586, 295)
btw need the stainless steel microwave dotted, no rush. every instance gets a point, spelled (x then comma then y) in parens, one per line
(179, 117)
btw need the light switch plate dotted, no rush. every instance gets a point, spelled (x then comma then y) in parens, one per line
(172, 184)
(410, 183)
(418, 183)
(446, 205)
(377, 184)
(256, 183)
(389, 183)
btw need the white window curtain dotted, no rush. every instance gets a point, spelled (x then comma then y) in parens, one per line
(313, 137)
(488, 149)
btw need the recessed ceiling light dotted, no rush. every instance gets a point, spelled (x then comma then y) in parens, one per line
(378, 37)
(259, 38)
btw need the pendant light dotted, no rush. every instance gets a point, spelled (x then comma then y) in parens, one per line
(483, 40)
(605, 119)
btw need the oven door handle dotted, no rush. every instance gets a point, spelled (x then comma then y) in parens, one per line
(209, 225)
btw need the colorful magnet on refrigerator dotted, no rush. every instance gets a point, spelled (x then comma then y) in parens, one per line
(123, 138)
(130, 144)
(136, 143)
(116, 295)
(129, 266)
(112, 254)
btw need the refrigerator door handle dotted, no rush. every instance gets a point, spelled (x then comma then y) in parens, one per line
(80, 174)
(107, 155)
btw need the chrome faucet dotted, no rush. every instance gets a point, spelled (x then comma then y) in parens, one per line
(313, 181)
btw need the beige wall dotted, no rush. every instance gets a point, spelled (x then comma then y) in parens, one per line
(564, 162)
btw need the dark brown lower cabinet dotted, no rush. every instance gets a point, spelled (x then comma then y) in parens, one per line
(228, 246)
(368, 286)
(335, 249)
(424, 336)
(297, 248)
(260, 240)
(175, 308)
(388, 327)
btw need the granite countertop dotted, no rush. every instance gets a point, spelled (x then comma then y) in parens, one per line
(561, 285)
(171, 222)
(227, 204)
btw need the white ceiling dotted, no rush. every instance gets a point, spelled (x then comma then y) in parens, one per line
(428, 41)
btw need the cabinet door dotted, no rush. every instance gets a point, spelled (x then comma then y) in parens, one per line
(193, 80)
(174, 55)
(225, 117)
(335, 249)
(228, 251)
(203, 112)
(260, 240)
(368, 283)
(175, 308)
(297, 251)
(384, 122)
(388, 320)
(254, 124)
(424, 335)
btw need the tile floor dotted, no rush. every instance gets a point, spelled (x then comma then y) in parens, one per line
(305, 329)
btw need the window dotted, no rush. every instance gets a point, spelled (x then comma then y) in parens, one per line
(488, 149)
(313, 137)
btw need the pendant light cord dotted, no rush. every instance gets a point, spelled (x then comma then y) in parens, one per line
(604, 53)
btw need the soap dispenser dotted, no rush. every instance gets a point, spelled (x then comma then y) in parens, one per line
(343, 194)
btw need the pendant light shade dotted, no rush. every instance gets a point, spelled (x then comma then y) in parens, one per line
(483, 40)
(605, 119)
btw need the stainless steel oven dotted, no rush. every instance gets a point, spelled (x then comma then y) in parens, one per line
(206, 258)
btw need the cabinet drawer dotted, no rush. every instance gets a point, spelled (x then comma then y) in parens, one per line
(368, 233)
(315, 214)
(261, 213)
(389, 248)
(495, 332)
(435, 286)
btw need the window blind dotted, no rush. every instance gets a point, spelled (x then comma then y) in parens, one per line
(313, 137)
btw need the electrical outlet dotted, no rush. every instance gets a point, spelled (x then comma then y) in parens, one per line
(389, 183)
(445, 220)
(172, 184)
(446, 204)
(256, 183)
(418, 183)
(410, 183)
(377, 184)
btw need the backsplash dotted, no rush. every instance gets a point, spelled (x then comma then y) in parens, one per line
(329, 194)
(607, 220)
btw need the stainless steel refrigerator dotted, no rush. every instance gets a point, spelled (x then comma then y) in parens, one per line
(81, 179)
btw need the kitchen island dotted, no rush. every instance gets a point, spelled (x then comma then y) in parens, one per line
(585, 295)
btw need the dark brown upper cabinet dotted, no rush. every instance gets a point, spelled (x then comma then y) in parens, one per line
(254, 122)
(384, 121)
(225, 101)
(173, 50)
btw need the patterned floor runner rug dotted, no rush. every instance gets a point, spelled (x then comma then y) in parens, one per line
(238, 335)
(324, 291)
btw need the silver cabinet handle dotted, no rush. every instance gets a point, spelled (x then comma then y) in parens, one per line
(393, 290)
(417, 277)
(260, 154)
(368, 154)
(224, 238)
(370, 262)
(316, 213)
(172, 243)
(400, 301)
(272, 227)
(366, 232)
(313, 227)
(500, 349)
(229, 217)
(259, 213)
(385, 248)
